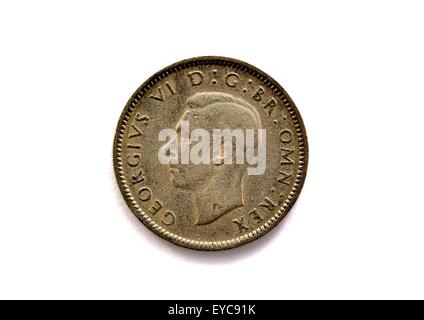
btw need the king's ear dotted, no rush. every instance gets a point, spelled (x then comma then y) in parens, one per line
(218, 154)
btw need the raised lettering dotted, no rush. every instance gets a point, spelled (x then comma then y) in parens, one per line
(258, 94)
(133, 160)
(159, 96)
(169, 88)
(196, 77)
(267, 203)
(285, 156)
(231, 79)
(142, 118)
(168, 218)
(144, 194)
(255, 215)
(285, 136)
(156, 206)
(137, 132)
(284, 176)
(138, 178)
(271, 103)
(241, 224)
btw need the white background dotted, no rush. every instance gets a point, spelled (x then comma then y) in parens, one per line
(356, 72)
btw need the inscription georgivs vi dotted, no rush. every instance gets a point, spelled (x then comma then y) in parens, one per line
(194, 187)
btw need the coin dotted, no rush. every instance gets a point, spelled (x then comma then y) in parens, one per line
(210, 153)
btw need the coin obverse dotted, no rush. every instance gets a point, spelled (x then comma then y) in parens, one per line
(197, 188)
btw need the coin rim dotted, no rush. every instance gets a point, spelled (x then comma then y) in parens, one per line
(245, 238)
